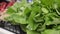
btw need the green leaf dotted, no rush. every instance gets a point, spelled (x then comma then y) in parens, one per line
(58, 27)
(32, 26)
(58, 2)
(48, 3)
(27, 11)
(44, 10)
(10, 11)
(32, 32)
(18, 18)
(56, 21)
(51, 32)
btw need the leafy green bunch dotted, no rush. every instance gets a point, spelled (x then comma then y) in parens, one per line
(37, 17)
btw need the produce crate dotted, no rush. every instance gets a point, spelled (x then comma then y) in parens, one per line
(12, 28)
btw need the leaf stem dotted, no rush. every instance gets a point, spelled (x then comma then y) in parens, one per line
(57, 12)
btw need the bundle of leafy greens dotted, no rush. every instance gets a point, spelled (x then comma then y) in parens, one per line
(37, 16)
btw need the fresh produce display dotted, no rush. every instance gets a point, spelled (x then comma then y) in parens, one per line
(36, 16)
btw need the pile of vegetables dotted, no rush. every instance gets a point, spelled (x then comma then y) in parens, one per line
(36, 16)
